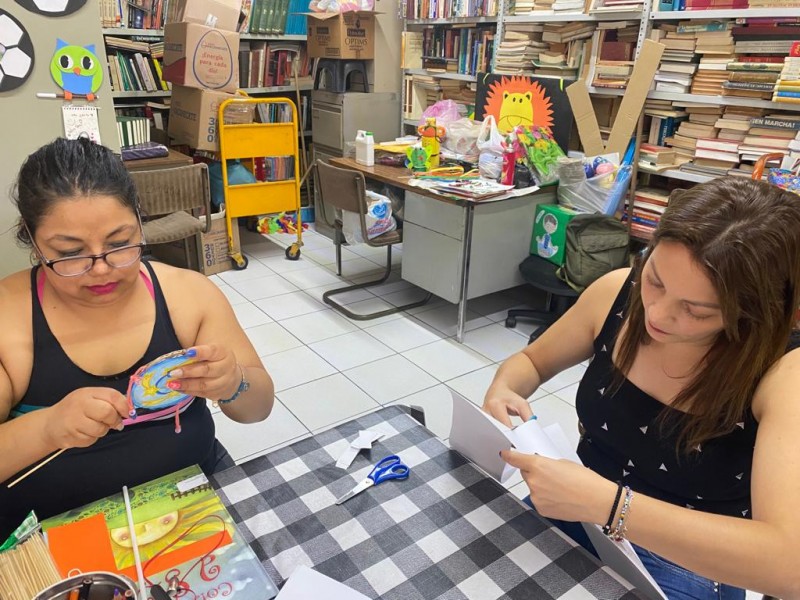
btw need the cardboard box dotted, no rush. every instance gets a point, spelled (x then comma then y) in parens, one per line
(217, 14)
(208, 252)
(193, 117)
(341, 35)
(201, 57)
(629, 110)
(550, 232)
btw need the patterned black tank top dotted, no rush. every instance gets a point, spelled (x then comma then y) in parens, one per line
(624, 441)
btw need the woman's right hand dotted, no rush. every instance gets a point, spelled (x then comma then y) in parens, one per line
(84, 416)
(503, 403)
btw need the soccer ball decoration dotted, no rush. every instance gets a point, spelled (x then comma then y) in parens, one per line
(52, 8)
(16, 53)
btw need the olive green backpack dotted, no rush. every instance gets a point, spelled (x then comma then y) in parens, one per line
(596, 245)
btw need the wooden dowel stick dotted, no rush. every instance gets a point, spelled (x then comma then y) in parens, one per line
(36, 468)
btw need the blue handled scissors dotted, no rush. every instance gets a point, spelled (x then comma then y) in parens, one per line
(387, 468)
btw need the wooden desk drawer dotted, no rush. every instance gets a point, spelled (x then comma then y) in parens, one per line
(441, 217)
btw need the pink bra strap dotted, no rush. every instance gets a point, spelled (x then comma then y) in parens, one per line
(40, 284)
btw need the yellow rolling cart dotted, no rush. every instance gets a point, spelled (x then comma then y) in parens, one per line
(251, 142)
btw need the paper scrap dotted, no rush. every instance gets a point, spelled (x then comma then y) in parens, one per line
(191, 483)
(305, 583)
(363, 441)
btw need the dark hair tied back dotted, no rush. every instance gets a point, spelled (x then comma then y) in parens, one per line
(65, 169)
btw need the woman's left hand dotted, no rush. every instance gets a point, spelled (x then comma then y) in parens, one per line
(562, 489)
(214, 374)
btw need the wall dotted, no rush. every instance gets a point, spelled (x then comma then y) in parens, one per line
(27, 122)
(384, 72)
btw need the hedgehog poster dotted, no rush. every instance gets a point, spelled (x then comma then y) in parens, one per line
(525, 100)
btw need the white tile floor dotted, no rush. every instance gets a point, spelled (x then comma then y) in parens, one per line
(329, 369)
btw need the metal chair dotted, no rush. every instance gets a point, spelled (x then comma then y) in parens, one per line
(167, 197)
(345, 189)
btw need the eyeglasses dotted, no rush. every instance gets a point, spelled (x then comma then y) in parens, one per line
(72, 266)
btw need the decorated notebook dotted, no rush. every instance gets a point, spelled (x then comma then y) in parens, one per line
(183, 532)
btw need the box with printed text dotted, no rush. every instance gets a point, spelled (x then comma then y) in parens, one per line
(200, 57)
(341, 35)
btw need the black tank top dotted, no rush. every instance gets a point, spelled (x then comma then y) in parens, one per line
(139, 453)
(624, 441)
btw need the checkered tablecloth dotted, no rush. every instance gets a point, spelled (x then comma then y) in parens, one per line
(448, 532)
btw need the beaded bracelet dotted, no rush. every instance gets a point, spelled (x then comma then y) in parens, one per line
(619, 533)
(607, 526)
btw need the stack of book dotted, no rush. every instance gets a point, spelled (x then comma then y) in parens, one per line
(523, 7)
(607, 6)
(787, 87)
(615, 45)
(657, 158)
(664, 122)
(716, 153)
(678, 61)
(769, 134)
(733, 125)
(566, 45)
(649, 204)
(700, 124)
(569, 6)
(519, 48)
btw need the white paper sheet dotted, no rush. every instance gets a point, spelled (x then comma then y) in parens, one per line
(480, 437)
(305, 583)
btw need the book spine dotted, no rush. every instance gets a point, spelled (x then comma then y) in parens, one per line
(775, 123)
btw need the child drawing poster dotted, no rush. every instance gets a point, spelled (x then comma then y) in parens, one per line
(525, 100)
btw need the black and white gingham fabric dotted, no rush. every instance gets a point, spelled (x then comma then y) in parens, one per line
(447, 532)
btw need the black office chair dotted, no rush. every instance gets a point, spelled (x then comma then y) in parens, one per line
(541, 274)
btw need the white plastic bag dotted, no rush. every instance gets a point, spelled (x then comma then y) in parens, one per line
(490, 145)
(461, 138)
(489, 137)
(378, 219)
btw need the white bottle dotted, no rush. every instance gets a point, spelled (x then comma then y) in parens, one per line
(365, 148)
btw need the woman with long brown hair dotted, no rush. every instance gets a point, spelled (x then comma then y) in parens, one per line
(690, 407)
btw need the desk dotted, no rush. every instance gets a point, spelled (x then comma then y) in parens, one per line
(447, 532)
(459, 249)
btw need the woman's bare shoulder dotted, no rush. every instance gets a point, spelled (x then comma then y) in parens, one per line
(16, 287)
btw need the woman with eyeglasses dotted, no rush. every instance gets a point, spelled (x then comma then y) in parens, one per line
(86, 317)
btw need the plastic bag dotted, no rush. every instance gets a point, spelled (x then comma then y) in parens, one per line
(461, 137)
(489, 137)
(237, 174)
(444, 111)
(378, 219)
(598, 194)
(490, 145)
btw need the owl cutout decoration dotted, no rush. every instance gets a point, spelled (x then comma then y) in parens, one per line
(77, 70)
(52, 8)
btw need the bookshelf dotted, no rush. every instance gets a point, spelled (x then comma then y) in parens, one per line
(443, 47)
(133, 95)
